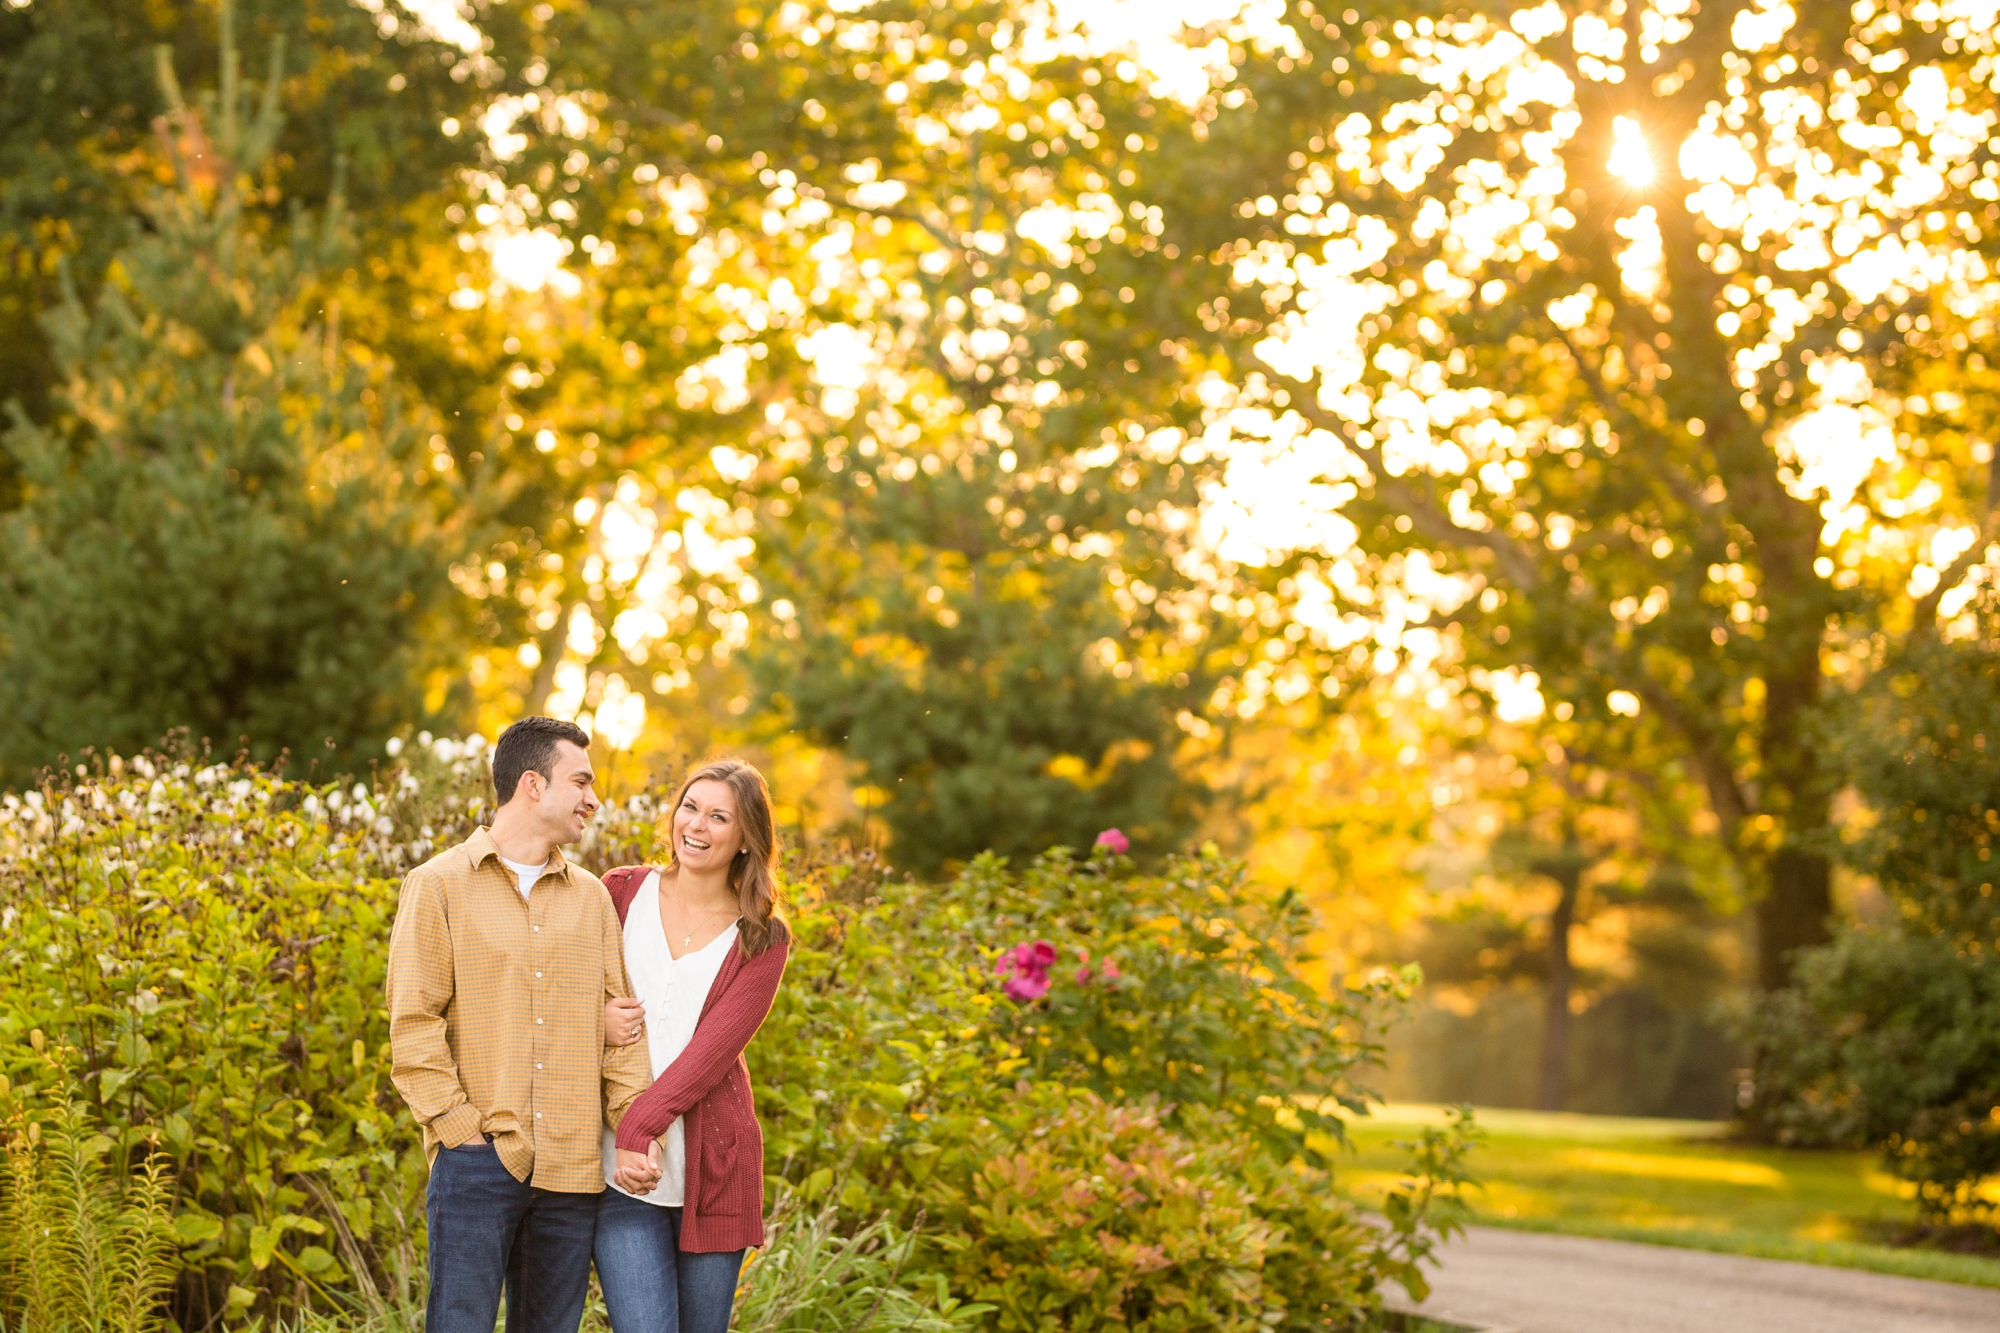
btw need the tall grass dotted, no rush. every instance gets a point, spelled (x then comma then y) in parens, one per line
(813, 1279)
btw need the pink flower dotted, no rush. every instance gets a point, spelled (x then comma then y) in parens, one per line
(1115, 842)
(1106, 969)
(1030, 965)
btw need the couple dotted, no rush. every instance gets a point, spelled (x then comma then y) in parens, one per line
(574, 1050)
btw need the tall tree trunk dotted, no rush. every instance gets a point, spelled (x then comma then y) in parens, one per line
(1797, 902)
(1566, 869)
(544, 681)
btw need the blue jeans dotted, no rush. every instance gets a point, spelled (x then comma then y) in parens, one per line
(649, 1285)
(489, 1231)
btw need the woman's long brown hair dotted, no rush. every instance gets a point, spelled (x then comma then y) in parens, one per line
(753, 875)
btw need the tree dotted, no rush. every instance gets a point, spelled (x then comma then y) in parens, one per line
(981, 678)
(1613, 387)
(1532, 341)
(380, 90)
(964, 473)
(236, 522)
(1888, 1039)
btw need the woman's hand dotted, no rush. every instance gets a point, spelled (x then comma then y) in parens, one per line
(624, 1020)
(639, 1172)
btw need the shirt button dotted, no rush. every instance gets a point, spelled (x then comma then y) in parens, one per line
(538, 1064)
(538, 1115)
(538, 975)
(538, 1020)
(538, 930)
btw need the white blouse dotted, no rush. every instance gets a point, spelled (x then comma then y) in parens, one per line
(674, 990)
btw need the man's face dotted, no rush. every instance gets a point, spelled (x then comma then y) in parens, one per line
(566, 801)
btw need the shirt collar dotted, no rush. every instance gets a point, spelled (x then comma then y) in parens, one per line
(481, 848)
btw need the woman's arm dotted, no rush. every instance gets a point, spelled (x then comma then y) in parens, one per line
(718, 1040)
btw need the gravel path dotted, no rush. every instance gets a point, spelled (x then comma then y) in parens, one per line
(1525, 1282)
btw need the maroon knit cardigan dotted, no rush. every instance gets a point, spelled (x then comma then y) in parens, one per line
(708, 1088)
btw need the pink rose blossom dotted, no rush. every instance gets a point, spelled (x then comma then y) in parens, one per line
(1114, 841)
(1030, 965)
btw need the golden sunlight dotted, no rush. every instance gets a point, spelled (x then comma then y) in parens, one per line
(1630, 161)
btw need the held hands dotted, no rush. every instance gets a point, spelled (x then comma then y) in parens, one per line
(624, 1020)
(638, 1172)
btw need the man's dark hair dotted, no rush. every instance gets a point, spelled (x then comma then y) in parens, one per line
(530, 746)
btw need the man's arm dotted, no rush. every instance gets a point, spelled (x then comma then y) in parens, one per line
(626, 1069)
(419, 990)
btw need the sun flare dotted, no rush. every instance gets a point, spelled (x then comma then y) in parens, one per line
(1630, 161)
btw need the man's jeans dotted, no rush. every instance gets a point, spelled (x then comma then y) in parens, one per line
(488, 1230)
(650, 1286)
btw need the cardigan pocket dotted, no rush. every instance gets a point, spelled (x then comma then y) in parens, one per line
(718, 1169)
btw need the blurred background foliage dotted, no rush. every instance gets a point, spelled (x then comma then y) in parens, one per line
(1513, 473)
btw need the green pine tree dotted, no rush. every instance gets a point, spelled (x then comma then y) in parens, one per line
(234, 523)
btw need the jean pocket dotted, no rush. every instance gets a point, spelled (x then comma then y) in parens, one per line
(481, 1144)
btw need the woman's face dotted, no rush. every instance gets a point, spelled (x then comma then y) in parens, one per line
(706, 834)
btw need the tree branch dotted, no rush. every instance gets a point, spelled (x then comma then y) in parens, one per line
(1924, 622)
(1676, 481)
(1725, 794)
(1517, 564)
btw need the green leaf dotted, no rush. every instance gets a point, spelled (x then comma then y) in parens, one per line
(263, 1240)
(195, 1228)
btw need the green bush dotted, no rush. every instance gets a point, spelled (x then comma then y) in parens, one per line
(897, 1073)
(1891, 1039)
(210, 939)
(1890, 1036)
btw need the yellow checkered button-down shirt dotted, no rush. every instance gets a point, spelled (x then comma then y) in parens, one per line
(496, 1013)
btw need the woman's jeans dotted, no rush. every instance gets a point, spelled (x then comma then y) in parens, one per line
(488, 1230)
(649, 1285)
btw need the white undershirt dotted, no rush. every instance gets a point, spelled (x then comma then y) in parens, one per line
(674, 990)
(527, 875)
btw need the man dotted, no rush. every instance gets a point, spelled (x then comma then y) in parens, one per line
(500, 964)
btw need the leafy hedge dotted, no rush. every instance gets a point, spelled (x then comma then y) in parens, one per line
(1118, 1138)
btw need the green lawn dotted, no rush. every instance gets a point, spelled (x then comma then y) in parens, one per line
(1671, 1182)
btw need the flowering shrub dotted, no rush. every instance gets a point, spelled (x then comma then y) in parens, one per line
(211, 948)
(1029, 964)
(1125, 1143)
(211, 941)
(1082, 1215)
(907, 1068)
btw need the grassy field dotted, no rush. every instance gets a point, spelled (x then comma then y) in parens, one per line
(1670, 1182)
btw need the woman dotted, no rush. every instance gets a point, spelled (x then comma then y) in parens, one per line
(705, 947)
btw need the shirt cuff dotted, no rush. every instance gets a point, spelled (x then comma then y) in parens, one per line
(458, 1126)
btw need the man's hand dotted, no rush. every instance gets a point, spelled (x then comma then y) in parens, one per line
(638, 1172)
(624, 1020)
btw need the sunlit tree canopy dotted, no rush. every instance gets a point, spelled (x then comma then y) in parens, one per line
(1621, 364)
